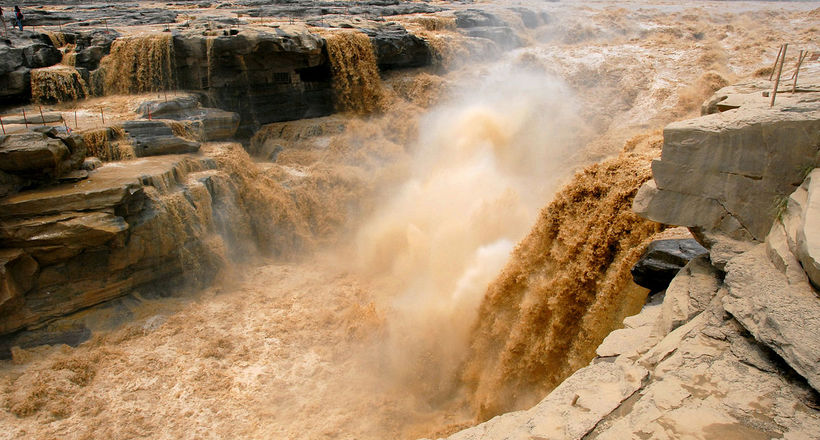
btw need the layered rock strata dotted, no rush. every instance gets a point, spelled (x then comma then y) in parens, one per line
(729, 173)
(68, 247)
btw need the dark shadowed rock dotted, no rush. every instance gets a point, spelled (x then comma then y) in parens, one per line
(71, 335)
(17, 271)
(20, 53)
(208, 123)
(41, 55)
(395, 48)
(264, 77)
(91, 46)
(154, 138)
(470, 18)
(662, 261)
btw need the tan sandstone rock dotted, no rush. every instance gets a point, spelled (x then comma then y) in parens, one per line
(783, 316)
(725, 173)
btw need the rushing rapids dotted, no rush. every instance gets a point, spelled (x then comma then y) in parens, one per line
(373, 274)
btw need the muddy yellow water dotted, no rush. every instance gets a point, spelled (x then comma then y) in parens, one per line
(446, 251)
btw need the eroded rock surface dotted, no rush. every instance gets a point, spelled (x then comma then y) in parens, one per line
(153, 221)
(726, 173)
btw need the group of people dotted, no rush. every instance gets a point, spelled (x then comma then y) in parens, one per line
(18, 17)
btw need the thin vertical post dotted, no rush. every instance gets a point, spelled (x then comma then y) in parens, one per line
(25, 118)
(42, 118)
(102, 115)
(800, 59)
(2, 126)
(774, 66)
(779, 71)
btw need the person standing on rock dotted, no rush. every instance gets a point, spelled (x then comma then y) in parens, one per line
(18, 14)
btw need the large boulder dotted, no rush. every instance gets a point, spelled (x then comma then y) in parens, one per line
(662, 261)
(19, 53)
(395, 48)
(801, 225)
(726, 173)
(39, 157)
(32, 153)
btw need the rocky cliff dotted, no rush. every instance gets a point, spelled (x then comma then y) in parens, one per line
(730, 348)
(265, 72)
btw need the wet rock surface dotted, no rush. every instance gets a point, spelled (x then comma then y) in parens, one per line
(76, 245)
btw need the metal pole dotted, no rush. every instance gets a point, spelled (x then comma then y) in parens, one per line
(3, 126)
(25, 119)
(75, 119)
(779, 71)
(42, 118)
(102, 114)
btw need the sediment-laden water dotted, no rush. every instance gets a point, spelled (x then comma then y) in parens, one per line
(409, 294)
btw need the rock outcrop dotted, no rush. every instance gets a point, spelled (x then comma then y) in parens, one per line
(20, 53)
(154, 138)
(37, 158)
(153, 222)
(264, 77)
(727, 173)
